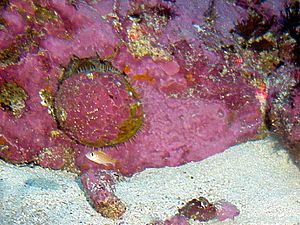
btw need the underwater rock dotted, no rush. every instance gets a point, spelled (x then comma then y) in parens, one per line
(202, 210)
(176, 220)
(100, 186)
(226, 210)
(155, 83)
(97, 107)
(285, 110)
(271, 31)
(163, 82)
(198, 209)
(27, 134)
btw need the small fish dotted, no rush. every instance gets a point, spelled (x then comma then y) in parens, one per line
(101, 157)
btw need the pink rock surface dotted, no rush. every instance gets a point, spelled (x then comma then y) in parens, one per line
(92, 110)
(188, 115)
(226, 211)
(176, 220)
(199, 94)
(100, 186)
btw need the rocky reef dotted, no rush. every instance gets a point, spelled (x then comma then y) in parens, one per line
(96, 86)
(202, 210)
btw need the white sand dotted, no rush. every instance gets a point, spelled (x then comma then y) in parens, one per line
(256, 176)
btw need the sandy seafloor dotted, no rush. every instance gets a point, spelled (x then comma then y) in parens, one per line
(256, 176)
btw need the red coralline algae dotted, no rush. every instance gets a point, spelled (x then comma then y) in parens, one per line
(175, 220)
(155, 83)
(99, 186)
(97, 108)
(198, 209)
(226, 210)
(202, 210)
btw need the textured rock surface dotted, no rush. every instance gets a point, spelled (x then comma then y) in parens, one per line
(100, 186)
(98, 109)
(196, 100)
(197, 74)
(285, 110)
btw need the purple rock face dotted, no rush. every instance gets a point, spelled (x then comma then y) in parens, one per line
(97, 109)
(99, 186)
(170, 93)
(156, 83)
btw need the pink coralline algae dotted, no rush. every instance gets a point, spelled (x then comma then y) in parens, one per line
(176, 220)
(99, 186)
(226, 210)
(97, 107)
(201, 209)
(153, 83)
